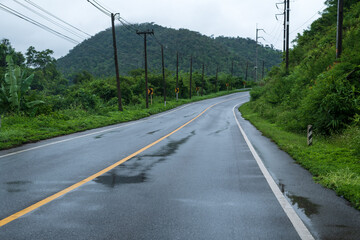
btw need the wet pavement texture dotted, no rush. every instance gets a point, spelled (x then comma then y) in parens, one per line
(200, 183)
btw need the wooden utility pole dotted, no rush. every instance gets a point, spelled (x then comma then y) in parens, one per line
(232, 68)
(202, 80)
(116, 63)
(177, 74)
(340, 16)
(146, 70)
(287, 35)
(163, 72)
(216, 78)
(246, 72)
(191, 60)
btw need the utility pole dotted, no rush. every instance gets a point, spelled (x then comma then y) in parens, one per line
(177, 74)
(263, 70)
(202, 80)
(287, 35)
(216, 78)
(284, 41)
(191, 60)
(232, 68)
(256, 62)
(163, 72)
(284, 14)
(340, 16)
(146, 70)
(116, 62)
(246, 72)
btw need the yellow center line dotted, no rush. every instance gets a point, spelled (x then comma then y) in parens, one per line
(92, 177)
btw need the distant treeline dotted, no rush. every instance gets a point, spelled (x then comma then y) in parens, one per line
(95, 55)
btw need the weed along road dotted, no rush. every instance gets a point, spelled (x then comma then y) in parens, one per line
(197, 172)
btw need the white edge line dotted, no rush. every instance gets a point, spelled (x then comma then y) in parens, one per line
(298, 224)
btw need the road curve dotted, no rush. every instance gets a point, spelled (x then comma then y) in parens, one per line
(183, 174)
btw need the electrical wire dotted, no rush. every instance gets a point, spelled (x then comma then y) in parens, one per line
(46, 28)
(101, 6)
(101, 10)
(49, 13)
(308, 20)
(50, 20)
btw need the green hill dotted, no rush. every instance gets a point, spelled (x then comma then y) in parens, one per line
(319, 89)
(95, 55)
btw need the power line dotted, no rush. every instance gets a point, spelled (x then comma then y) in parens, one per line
(50, 20)
(101, 6)
(107, 13)
(19, 15)
(308, 20)
(49, 13)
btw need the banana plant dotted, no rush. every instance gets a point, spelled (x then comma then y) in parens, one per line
(13, 89)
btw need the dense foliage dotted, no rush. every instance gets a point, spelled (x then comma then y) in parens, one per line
(95, 55)
(318, 89)
(31, 87)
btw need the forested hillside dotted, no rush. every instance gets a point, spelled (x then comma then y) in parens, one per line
(95, 55)
(319, 89)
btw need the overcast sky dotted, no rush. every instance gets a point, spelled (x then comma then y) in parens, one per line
(210, 17)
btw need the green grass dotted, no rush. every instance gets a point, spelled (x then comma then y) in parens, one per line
(20, 129)
(332, 161)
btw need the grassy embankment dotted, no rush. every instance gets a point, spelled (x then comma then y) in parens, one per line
(331, 161)
(20, 129)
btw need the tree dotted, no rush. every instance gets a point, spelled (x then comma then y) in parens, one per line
(39, 59)
(13, 89)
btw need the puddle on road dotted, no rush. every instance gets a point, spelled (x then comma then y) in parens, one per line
(103, 134)
(151, 133)
(299, 202)
(170, 148)
(135, 170)
(16, 186)
(189, 115)
(305, 204)
(114, 179)
(222, 129)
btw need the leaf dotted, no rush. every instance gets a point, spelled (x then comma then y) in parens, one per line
(34, 103)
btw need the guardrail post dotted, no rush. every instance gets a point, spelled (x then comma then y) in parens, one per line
(310, 135)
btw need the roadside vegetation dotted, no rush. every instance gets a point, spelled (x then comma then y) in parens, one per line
(37, 102)
(320, 91)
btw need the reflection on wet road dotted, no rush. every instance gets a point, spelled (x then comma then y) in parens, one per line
(135, 170)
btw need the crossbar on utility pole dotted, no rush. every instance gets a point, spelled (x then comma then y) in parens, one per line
(116, 62)
(146, 70)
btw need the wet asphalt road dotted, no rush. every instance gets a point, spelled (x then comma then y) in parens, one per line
(201, 182)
